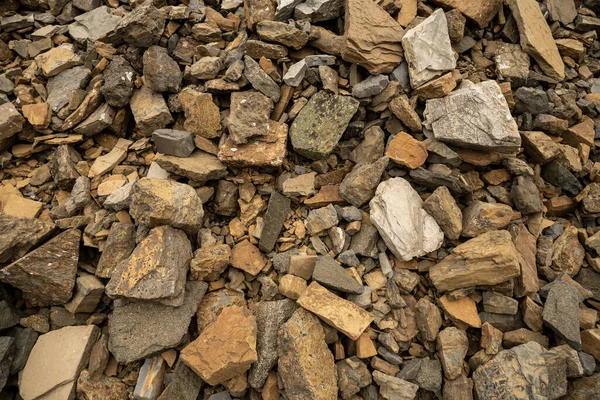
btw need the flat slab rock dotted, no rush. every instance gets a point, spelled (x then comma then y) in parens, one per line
(19, 235)
(321, 123)
(474, 117)
(406, 228)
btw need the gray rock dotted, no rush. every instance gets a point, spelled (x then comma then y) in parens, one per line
(406, 228)
(559, 175)
(332, 275)
(430, 376)
(224, 395)
(118, 82)
(270, 315)
(349, 213)
(432, 179)
(260, 80)
(249, 116)
(319, 10)
(86, 5)
(8, 318)
(561, 312)
(161, 72)
(353, 375)
(517, 166)
(532, 100)
(226, 198)
(371, 148)
(7, 350)
(275, 216)
(25, 339)
(173, 142)
(206, 68)
(394, 388)
(475, 117)
(185, 383)
(411, 369)
(281, 261)
(499, 304)
(321, 219)
(121, 198)
(101, 119)
(358, 187)
(503, 322)
(295, 74)
(318, 60)
(60, 86)
(138, 330)
(16, 21)
(349, 258)
(364, 242)
(428, 50)
(150, 379)
(319, 126)
(526, 196)
(590, 279)
(588, 362)
(371, 86)
(96, 24)
(285, 9)
(143, 26)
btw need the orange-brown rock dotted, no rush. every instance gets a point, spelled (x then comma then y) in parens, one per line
(463, 310)
(38, 115)
(482, 12)
(248, 258)
(436, 88)
(202, 116)
(261, 151)
(225, 349)
(407, 151)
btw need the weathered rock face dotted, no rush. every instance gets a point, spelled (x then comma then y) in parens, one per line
(199, 166)
(201, 114)
(372, 37)
(283, 33)
(19, 235)
(142, 27)
(561, 312)
(156, 270)
(481, 217)
(443, 208)
(359, 185)
(249, 116)
(395, 388)
(489, 259)
(260, 80)
(137, 330)
(481, 12)
(119, 245)
(157, 202)
(321, 123)
(46, 275)
(431, 34)
(235, 329)
(11, 121)
(452, 345)
(149, 110)
(161, 72)
(332, 275)
(536, 37)
(262, 151)
(407, 229)
(305, 363)
(475, 117)
(118, 82)
(94, 25)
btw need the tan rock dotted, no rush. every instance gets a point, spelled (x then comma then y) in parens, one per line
(582, 133)
(292, 286)
(58, 59)
(491, 339)
(436, 88)
(568, 253)
(452, 346)
(532, 314)
(462, 311)
(21, 207)
(209, 262)
(482, 12)
(248, 258)
(372, 37)
(481, 217)
(341, 314)
(199, 166)
(536, 37)
(305, 364)
(365, 347)
(489, 259)
(258, 10)
(590, 342)
(407, 151)
(408, 12)
(234, 331)
(107, 162)
(38, 115)
(149, 110)
(202, 115)
(428, 318)
(443, 208)
(405, 112)
(540, 147)
(213, 304)
(11, 121)
(528, 282)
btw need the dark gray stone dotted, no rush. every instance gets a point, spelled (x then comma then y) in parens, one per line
(503, 322)
(558, 175)
(143, 26)
(561, 312)
(588, 362)
(7, 349)
(8, 318)
(433, 179)
(430, 376)
(270, 315)
(349, 258)
(532, 100)
(411, 369)
(371, 86)
(25, 339)
(19, 235)
(226, 198)
(526, 195)
(364, 242)
(118, 82)
(59, 87)
(332, 275)
(173, 142)
(277, 211)
(589, 279)
(185, 383)
(161, 72)
(260, 80)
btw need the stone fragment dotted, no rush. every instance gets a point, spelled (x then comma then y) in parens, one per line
(104, 388)
(407, 151)
(118, 82)
(11, 121)
(295, 74)
(352, 375)
(536, 37)
(341, 314)
(119, 245)
(321, 123)
(157, 202)
(138, 330)
(206, 68)
(173, 142)
(19, 235)
(558, 175)
(150, 379)
(275, 216)
(258, 10)
(481, 217)
(358, 187)
(8, 317)
(561, 313)
(392, 388)
(260, 80)
(497, 303)
(461, 311)
(46, 275)
(96, 24)
(431, 34)
(199, 166)
(107, 162)
(88, 291)
(407, 230)
(248, 258)
(56, 361)
(404, 111)
(262, 151)
(443, 208)
(201, 114)
(235, 331)
(567, 252)
(185, 384)
(480, 12)
(209, 262)
(321, 219)
(58, 59)
(161, 72)
(282, 33)
(165, 253)
(142, 27)
(428, 318)
(489, 259)
(149, 110)
(372, 37)
(333, 276)
(475, 117)
(248, 116)
(38, 114)
(270, 315)
(436, 88)
(452, 345)
(371, 86)
(305, 364)
(319, 10)
(99, 120)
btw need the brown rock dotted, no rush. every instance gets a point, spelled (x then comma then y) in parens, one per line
(523, 336)
(372, 37)
(305, 363)
(481, 217)
(582, 133)
(404, 111)
(540, 147)
(341, 314)
(461, 311)
(199, 166)
(407, 13)
(283, 33)
(528, 282)
(107, 162)
(149, 110)
(38, 115)
(536, 37)
(248, 258)
(428, 318)
(235, 332)
(488, 259)
(201, 113)
(568, 253)
(11, 121)
(532, 314)
(103, 388)
(436, 88)
(248, 116)
(491, 339)
(590, 342)
(46, 275)
(258, 10)
(407, 151)
(119, 245)
(292, 286)
(209, 262)
(482, 12)
(261, 151)
(443, 208)
(58, 59)
(452, 345)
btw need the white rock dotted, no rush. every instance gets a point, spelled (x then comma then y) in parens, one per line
(406, 228)
(428, 50)
(294, 75)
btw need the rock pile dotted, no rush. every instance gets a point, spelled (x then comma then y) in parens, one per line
(299, 199)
